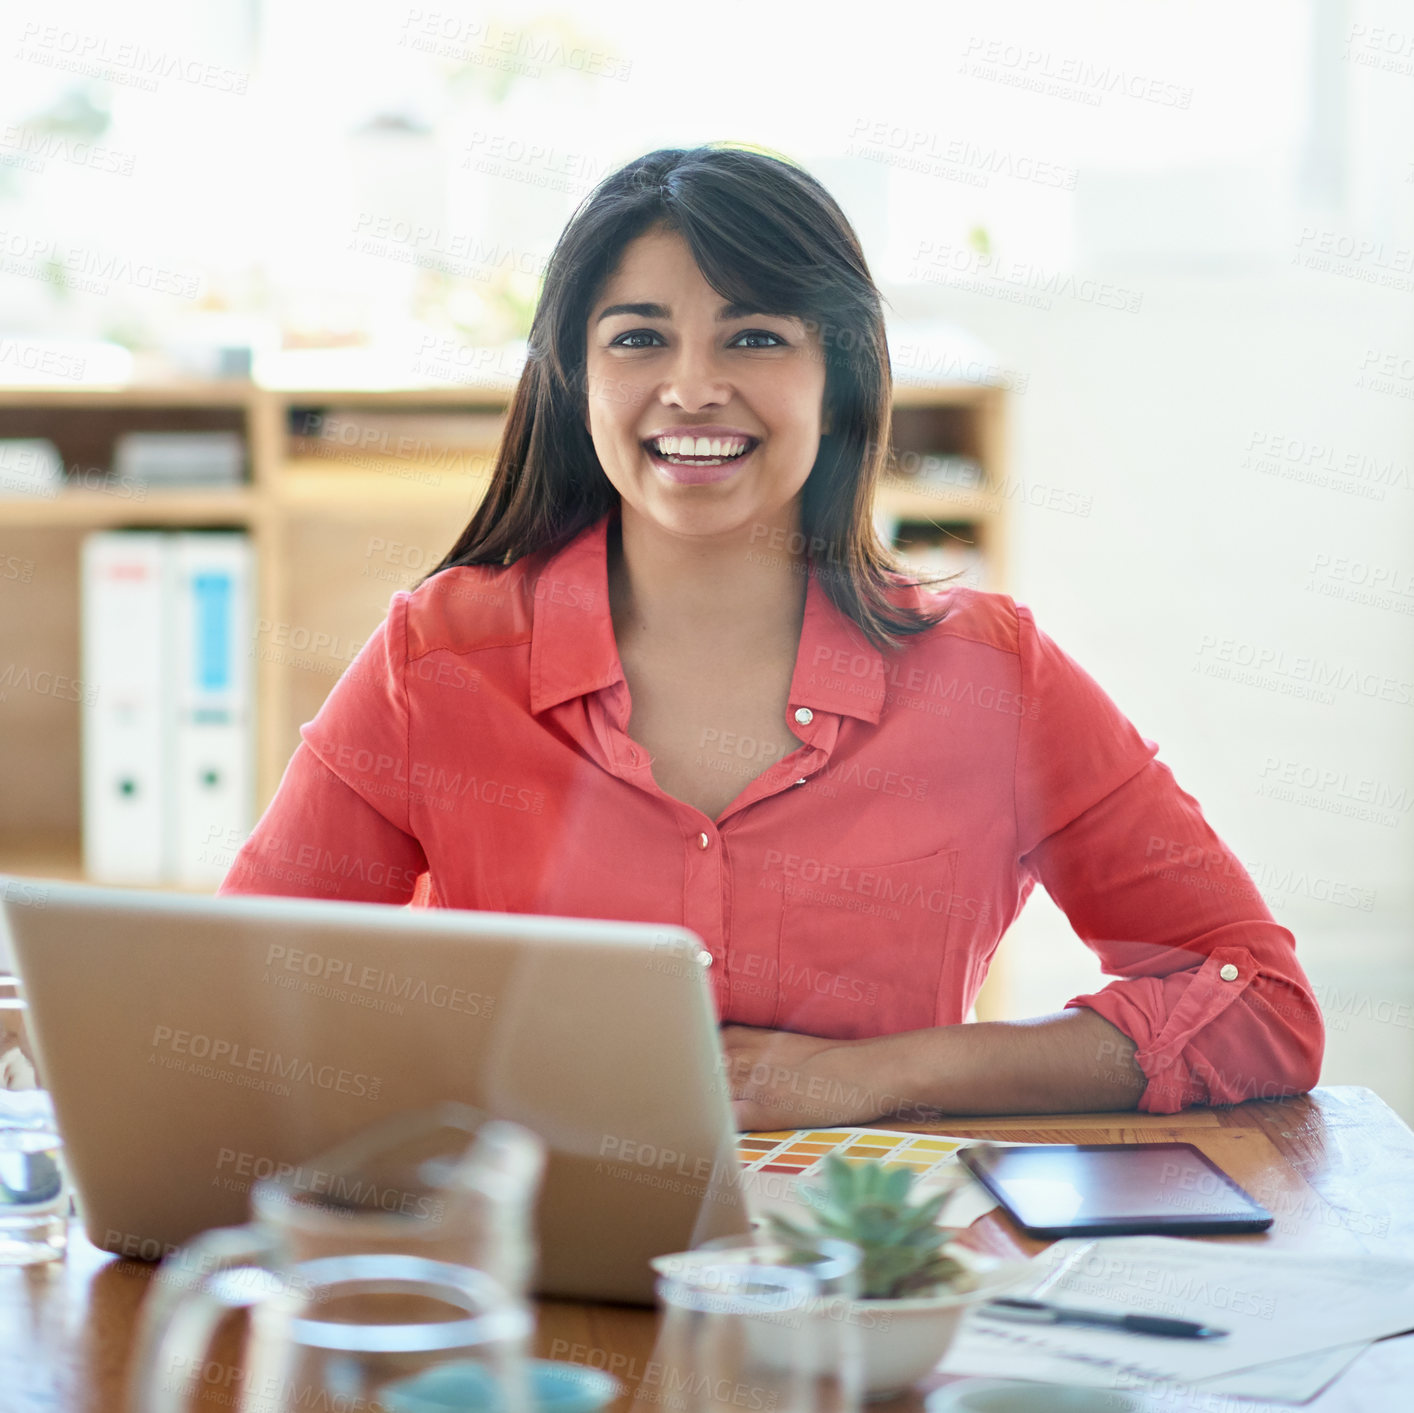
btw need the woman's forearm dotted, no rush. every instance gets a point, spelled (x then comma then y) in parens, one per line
(1071, 1062)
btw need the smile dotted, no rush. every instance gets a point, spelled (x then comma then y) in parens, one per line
(696, 460)
(699, 451)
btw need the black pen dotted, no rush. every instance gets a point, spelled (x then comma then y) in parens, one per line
(1041, 1313)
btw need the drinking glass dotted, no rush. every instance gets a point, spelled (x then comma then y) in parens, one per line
(408, 1255)
(34, 1195)
(760, 1325)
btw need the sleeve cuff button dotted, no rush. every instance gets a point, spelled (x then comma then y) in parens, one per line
(1228, 973)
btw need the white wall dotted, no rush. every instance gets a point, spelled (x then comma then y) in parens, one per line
(1153, 415)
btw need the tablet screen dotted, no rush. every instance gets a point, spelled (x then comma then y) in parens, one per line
(1080, 1188)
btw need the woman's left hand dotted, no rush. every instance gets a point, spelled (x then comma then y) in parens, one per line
(781, 1080)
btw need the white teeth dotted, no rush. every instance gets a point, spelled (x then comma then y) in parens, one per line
(726, 447)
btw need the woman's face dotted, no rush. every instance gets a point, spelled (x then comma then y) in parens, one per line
(683, 366)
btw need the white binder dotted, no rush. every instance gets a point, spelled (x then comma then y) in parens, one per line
(124, 655)
(212, 786)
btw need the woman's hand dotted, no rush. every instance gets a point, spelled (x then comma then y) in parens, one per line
(778, 1079)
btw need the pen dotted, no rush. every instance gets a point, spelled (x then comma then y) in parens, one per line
(1040, 1312)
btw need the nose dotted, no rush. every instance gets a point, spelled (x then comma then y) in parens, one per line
(695, 380)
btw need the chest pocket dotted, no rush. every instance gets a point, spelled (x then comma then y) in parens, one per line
(862, 948)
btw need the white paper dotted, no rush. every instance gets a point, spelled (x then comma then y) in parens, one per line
(1310, 1313)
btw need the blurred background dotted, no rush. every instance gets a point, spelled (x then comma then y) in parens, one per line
(1173, 244)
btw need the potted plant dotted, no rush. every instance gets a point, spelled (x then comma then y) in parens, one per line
(916, 1282)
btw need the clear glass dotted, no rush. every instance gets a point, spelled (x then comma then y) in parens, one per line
(370, 1332)
(750, 1324)
(34, 1192)
(382, 1274)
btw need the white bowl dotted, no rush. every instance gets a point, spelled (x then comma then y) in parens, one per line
(900, 1341)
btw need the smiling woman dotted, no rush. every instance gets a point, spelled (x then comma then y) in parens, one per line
(677, 551)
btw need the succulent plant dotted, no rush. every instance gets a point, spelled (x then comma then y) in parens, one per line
(867, 1204)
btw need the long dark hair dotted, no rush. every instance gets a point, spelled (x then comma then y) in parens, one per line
(765, 234)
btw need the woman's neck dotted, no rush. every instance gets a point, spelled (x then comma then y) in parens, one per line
(746, 593)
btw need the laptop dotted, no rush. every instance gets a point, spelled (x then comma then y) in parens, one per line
(193, 1044)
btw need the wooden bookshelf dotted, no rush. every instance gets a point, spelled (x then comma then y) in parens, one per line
(341, 514)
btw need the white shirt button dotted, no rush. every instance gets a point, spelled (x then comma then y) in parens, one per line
(1228, 973)
(703, 841)
(705, 957)
(801, 781)
(804, 716)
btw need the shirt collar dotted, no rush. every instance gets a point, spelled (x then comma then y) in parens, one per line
(573, 652)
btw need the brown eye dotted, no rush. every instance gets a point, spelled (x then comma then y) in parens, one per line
(633, 334)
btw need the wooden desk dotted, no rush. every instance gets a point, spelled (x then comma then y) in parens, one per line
(1336, 1168)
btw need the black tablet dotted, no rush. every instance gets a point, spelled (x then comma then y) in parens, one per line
(1113, 1189)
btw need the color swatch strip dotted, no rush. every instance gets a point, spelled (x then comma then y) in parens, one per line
(801, 1151)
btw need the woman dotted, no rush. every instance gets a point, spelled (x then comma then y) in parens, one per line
(675, 571)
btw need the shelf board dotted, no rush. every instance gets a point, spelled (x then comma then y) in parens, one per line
(332, 488)
(940, 501)
(236, 392)
(943, 394)
(83, 508)
(453, 398)
(195, 393)
(59, 857)
(41, 855)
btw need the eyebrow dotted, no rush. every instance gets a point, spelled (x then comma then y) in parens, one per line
(661, 311)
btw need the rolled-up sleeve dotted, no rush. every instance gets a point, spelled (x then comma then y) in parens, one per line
(1209, 988)
(340, 825)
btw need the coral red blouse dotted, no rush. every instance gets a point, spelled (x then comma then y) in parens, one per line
(474, 755)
